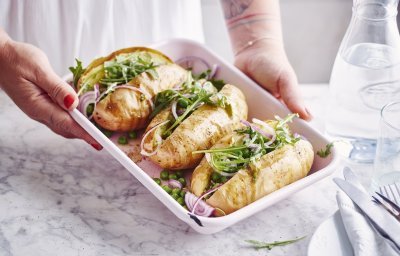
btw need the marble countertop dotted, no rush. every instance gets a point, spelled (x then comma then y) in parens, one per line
(61, 197)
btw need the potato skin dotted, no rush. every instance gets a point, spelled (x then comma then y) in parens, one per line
(204, 127)
(273, 171)
(125, 109)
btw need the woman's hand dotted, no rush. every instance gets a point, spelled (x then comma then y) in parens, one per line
(266, 63)
(27, 77)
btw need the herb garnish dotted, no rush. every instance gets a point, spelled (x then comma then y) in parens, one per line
(122, 69)
(77, 71)
(265, 245)
(250, 146)
(163, 100)
(218, 83)
(125, 67)
(325, 152)
(192, 94)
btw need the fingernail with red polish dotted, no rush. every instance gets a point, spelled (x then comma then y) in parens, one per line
(98, 147)
(68, 101)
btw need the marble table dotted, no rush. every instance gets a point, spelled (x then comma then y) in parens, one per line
(61, 197)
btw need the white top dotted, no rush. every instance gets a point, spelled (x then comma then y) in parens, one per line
(65, 29)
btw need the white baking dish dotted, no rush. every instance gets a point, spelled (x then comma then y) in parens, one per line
(261, 105)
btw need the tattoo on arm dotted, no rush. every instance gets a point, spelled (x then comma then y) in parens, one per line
(233, 8)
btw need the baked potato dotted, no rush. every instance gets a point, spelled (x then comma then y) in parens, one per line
(128, 80)
(171, 145)
(264, 170)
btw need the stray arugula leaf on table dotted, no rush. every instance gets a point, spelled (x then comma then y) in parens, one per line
(265, 245)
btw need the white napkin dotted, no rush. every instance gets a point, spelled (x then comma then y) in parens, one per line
(364, 239)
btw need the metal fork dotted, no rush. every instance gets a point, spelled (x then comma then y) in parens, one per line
(389, 198)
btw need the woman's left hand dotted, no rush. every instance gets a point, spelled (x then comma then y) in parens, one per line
(266, 63)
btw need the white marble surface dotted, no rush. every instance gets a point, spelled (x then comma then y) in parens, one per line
(61, 197)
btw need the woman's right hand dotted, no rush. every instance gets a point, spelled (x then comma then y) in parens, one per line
(27, 77)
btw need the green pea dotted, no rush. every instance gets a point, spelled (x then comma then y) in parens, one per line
(182, 194)
(179, 174)
(175, 196)
(90, 109)
(182, 181)
(176, 191)
(132, 135)
(215, 177)
(183, 103)
(181, 201)
(108, 133)
(157, 180)
(122, 140)
(164, 175)
(167, 189)
(172, 176)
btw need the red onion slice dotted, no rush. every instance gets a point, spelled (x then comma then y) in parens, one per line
(97, 90)
(174, 184)
(197, 206)
(196, 64)
(109, 89)
(204, 204)
(256, 128)
(173, 110)
(267, 127)
(213, 72)
(264, 125)
(159, 140)
(85, 100)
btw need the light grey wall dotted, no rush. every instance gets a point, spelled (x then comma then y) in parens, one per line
(313, 30)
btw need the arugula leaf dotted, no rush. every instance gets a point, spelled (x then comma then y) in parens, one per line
(325, 152)
(202, 96)
(124, 68)
(162, 100)
(190, 96)
(203, 75)
(249, 147)
(77, 71)
(265, 245)
(218, 83)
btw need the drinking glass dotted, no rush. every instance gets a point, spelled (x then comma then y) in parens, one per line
(387, 160)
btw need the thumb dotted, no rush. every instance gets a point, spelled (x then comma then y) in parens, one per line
(59, 90)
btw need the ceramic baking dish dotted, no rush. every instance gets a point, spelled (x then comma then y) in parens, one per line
(261, 105)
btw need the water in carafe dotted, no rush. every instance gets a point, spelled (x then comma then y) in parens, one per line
(365, 76)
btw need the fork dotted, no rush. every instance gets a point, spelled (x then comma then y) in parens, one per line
(392, 192)
(388, 198)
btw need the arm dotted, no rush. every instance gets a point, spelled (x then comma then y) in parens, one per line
(255, 31)
(28, 79)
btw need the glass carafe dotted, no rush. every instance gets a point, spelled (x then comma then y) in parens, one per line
(365, 76)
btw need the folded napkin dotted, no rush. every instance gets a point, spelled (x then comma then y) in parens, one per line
(361, 233)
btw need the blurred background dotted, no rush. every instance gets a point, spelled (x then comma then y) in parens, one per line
(312, 31)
